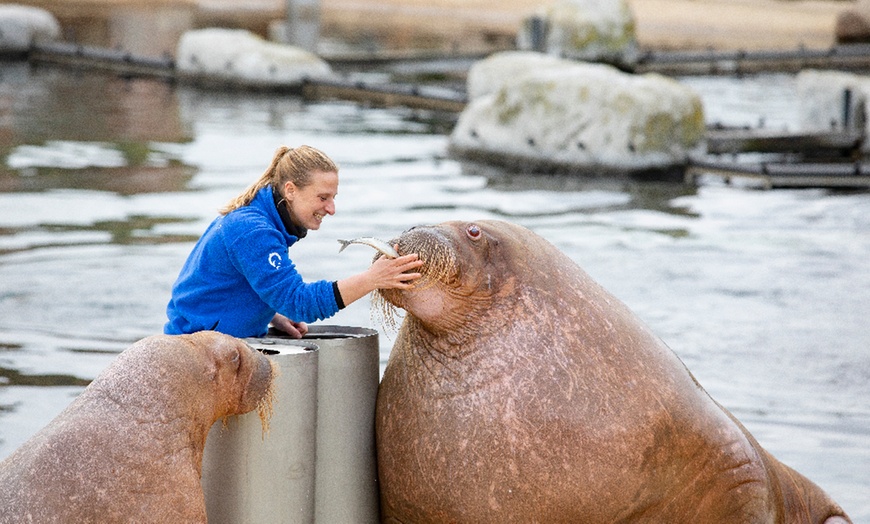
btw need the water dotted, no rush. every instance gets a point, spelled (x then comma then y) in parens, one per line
(106, 183)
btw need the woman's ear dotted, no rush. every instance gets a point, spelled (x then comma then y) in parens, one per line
(289, 191)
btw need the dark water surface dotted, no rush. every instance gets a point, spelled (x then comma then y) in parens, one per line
(106, 183)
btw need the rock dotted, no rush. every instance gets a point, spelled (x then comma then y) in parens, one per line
(238, 56)
(853, 24)
(22, 26)
(490, 75)
(554, 113)
(823, 101)
(592, 30)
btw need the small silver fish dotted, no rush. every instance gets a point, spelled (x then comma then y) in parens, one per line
(376, 243)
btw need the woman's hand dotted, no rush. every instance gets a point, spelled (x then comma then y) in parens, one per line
(384, 273)
(394, 273)
(294, 329)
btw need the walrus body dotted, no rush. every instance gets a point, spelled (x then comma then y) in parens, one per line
(129, 448)
(519, 390)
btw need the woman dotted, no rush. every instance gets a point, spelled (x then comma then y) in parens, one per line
(238, 277)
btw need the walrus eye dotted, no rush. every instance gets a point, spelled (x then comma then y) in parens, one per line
(473, 231)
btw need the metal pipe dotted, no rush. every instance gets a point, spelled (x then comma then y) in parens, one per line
(347, 387)
(317, 461)
(249, 475)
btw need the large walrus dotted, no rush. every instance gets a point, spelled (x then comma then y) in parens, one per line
(129, 448)
(519, 390)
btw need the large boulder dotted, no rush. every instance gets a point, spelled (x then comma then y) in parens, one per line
(833, 101)
(22, 26)
(239, 57)
(539, 111)
(591, 30)
(491, 75)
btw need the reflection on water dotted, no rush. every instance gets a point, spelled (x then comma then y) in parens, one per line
(106, 183)
(85, 107)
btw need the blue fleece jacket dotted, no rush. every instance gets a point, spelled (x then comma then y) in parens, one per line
(239, 275)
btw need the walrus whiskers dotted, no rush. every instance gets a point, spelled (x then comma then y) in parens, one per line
(266, 404)
(384, 313)
(265, 407)
(439, 265)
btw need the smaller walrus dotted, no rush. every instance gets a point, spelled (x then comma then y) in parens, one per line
(129, 448)
(519, 390)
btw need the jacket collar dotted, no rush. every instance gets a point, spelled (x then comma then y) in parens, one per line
(284, 213)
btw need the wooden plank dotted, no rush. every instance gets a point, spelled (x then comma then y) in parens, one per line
(384, 95)
(711, 62)
(745, 141)
(785, 175)
(103, 59)
(410, 95)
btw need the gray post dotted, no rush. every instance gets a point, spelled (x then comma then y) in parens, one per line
(537, 27)
(847, 109)
(347, 388)
(303, 24)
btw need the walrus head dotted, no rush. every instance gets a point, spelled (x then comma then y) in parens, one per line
(466, 265)
(242, 373)
(198, 378)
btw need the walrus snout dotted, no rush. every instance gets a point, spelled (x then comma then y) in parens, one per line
(426, 241)
(404, 241)
(259, 386)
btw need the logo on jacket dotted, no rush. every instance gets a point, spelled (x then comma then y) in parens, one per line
(275, 260)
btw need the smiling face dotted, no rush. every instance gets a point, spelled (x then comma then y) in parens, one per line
(308, 205)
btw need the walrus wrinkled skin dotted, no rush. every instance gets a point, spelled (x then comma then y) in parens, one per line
(519, 390)
(129, 448)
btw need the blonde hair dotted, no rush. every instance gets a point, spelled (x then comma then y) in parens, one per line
(289, 164)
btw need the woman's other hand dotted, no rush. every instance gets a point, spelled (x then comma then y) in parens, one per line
(294, 329)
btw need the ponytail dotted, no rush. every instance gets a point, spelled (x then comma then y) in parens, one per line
(288, 164)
